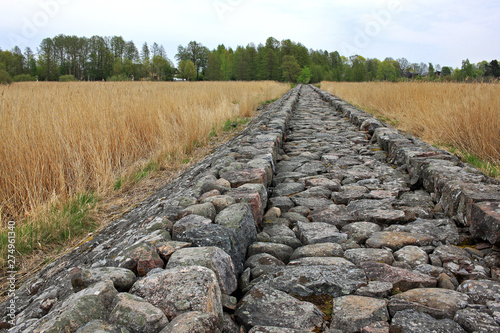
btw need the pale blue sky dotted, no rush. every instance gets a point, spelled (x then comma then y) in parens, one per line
(443, 32)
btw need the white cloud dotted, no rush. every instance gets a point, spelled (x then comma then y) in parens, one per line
(441, 31)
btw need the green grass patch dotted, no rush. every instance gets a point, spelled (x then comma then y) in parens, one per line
(145, 171)
(489, 168)
(61, 223)
(269, 101)
(118, 183)
(234, 124)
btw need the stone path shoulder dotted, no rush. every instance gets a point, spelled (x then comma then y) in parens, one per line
(317, 218)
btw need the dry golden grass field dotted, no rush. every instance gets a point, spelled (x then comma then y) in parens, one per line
(463, 118)
(62, 145)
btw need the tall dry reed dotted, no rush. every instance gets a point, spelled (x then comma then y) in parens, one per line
(465, 116)
(61, 139)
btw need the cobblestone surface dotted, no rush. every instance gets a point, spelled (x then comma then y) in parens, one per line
(330, 220)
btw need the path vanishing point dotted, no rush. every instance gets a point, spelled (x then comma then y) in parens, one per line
(315, 218)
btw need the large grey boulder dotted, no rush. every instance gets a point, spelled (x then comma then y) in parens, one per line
(239, 217)
(77, 310)
(182, 289)
(136, 314)
(352, 313)
(266, 306)
(219, 236)
(396, 240)
(210, 257)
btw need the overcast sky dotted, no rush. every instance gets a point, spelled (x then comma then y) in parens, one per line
(443, 32)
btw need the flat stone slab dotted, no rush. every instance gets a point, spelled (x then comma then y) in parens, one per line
(396, 240)
(476, 321)
(318, 250)
(221, 237)
(337, 215)
(332, 185)
(283, 203)
(314, 192)
(182, 289)
(412, 321)
(311, 203)
(349, 194)
(280, 251)
(318, 261)
(376, 289)
(266, 306)
(481, 291)
(437, 302)
(361, 231)
(402, 279)
(352, 313)
(285, 189)
(361, 255)
(189, 222)
(338, 280)
(451, 253)
(246, 176)
(443, 230)
(412, 255)
(269, 329)
(318, 232)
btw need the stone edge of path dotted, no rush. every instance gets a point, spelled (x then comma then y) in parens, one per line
(466, 195)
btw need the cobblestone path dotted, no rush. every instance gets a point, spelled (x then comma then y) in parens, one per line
(344, 229)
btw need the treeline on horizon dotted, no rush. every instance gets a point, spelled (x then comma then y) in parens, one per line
(72, 58)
